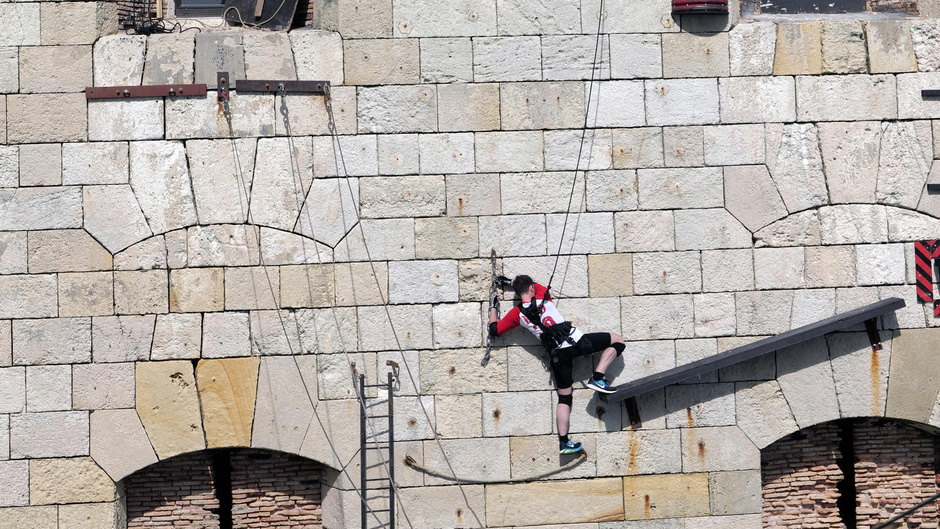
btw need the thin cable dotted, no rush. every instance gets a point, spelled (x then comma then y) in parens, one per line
(587, 113)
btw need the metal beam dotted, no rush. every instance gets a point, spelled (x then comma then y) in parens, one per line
(753, 350)
(131, 92)
(290, 87)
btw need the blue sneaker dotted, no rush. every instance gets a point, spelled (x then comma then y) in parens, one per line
(600, 386)
(569, 448)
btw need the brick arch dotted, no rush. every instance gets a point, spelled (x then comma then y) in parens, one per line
(850, 472)
(227, 488)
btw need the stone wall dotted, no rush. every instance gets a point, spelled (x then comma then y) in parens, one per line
(165, 290)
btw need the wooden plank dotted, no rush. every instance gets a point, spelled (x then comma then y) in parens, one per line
(753, 350)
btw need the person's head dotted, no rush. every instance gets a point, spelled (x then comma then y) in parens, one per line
(521, 284)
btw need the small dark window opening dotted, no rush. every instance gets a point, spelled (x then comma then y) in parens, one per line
(199, 8)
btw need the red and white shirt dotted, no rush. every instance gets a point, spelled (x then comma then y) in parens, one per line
(549, 315)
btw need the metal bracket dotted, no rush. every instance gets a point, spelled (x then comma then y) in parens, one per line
(933, 188)
(633, 413)
(292, 87)
(873, 335)
(930, 93)
(132, 92)
(222, 82)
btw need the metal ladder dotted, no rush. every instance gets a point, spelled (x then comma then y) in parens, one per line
(380, 484)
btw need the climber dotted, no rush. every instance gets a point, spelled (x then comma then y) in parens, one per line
(564, 343)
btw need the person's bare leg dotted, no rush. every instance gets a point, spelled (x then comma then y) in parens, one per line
(563, 413)
(609, 354)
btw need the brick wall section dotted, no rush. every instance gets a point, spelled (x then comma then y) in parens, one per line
(275, 490)
(800, 476)
(895, 470)
(174, 493)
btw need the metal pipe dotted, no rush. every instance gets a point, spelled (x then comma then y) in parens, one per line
(391, 455)
(362, 447)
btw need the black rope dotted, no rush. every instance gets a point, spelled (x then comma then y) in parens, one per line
(587, 113)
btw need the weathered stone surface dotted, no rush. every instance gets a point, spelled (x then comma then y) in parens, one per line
(593, 233)
(388, 240)
(268, 56)
(19, 25)
(912, 395)
(364, 19)
(219, 52)
(562, 146)
(102, 386)
(810, 306)
(318, 55)
(160, 180)
(652, 17)
(610, 275)
(459, 416)
(635, 56)
(113, 216)
(457, 325)
(6, 343)
(751, 196)
(74, 480)
(680, 188)
(890, 47)
(714, 314)
(66, 251)
(220, 245)
(282, 248)
(40, 165)
(446, 60)
(534, 457)
(904, 162)
(402, 196)
(611, 190)
(32, 296)
(695, 55)
(777, 268)
(122, 338)
(412, 326)
(750, 99)
(40, 118)
(528, 106)
(437, 238)
(380, 61)
(13, 389)
(563, 502)
(689, 405)
(397, 154)
(13, 255)
(804, 366)
(843, 47)
(924, 34)
(422, 18)
(765, 312)
(666, 496)
(657, 317)
(474, 194)
(853, 224)
(911, 105)
(904, 225)
(717, 449)
(825, 266)
(91, 515)
(227, 390)
(517, 414)
(168, 406)
(682, 102)
(86, 294)
(880, 264)
(309, 115)
(140, 119)
(734, 144)
(49, 434)
(221, 194)
(462, 454)
(15, 490)
(517, 17)
(177, 336)
(119, 444)
(225, 335)
(513, 235)
(199, 117)
(795, 230)
(359, 157)
(795, 164)
(751, 48)
(283, 409)
(48, 388)
(9, 72)
(763, 412)
(9, 166)
(667, 273)
(637, 148)
(446, 153)
(397, 109)
(196, 290)
(446, 506)
(252, 288)
(39, 517)
(735, 492)
(119, 59)
(42, 208)
(140, 292)
(846, 97)
(508, 152)
(850, 154)
(567, 57)
(861, 375)
(52, 341)
(700, 229)
(632, 452)
(422, 281)
(642, 231)
(799, 48)
(170, 58)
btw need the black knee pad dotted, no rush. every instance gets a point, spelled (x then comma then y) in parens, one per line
(619, 347)
(565, 399)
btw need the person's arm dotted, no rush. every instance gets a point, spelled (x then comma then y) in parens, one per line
(509, 322)
(542, 293)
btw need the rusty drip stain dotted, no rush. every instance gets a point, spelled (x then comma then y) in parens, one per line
(412, 422)
(634, 450)
(459, 515)
(701, 450)
(664, 275)
(452, 371)
(460, 205)
(408, 334)
(496, 413)
(875, 383)
(689, 419)
(647, 508)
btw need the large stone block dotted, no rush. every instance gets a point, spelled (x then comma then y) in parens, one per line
(562, 147)
(750, 99)
(219, 52)
(642, 231)
(508, 151)
(695, 55)
(680, 188)
(41, 118)
(422, 282)
(657, 317)
(735, 492)
(515, 414)
(752, 48)
(795, 164)
(19, 24)
(763, 412)
(696, 405)
(423, 18)
(557, 105)
(119, 59)
(810, 306)
(667, 273)
(533, 458)
(718, 449)
(843, 47)
(13, 254)
(637, 147)
(365, 19)
(412, 327)
(225, 335)
(402, 196)
(799, 48)
(751, 196)
(565, 502)
(850, 153)
(924, 34)
(880, 264)
(388, 240)
(397, 154)
(635, 56)
(73, 480)
(890, 47)
(777, 268)
(268, 56)
(9, 73)
(380, 61)
(714, 314)
(168, 406)
(652, 17)
(860, 374)
(45, 517)
(160, 180)
(227, 390)
(199, 117)
(634, 452)
(315, 115)
(122, 338)
(513, 235)
(566, 57)
(276, 201)
(465, 455)
(764, 312)
(446, 237)
(9, 166)
(610, 275)
(283, 409)
(221, 193)
(665, 496)
(196, 290)
(853, 224)
(170, 59)
(77, 23)
(113, 216)
(40, 165)
(66, 251)
(102, 386)
(446, 153)
(15, 490)
(611, 190)
(682, 102)
(6, 343)
(32, 296)
(591, 233)
(517, 17)
(318, 55)
(825, 266)
(220, 245)
(446, 60)
(398, 109)
(141, 292)
(795, 230)
(704, 229)
(52, 341)
(177, 336)
(91, 515)
(359, 156)
(13, 390)
(846, 97)
(804, 366)
(251, 288)
(49, 434)
(140, 119)
(48, 388)
(901, 176)
(734, 144)
(446, 506)
(44, 208)
(912, 393)
(473, 194)
(457, 325)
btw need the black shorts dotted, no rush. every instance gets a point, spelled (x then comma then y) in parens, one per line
(562, 358)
